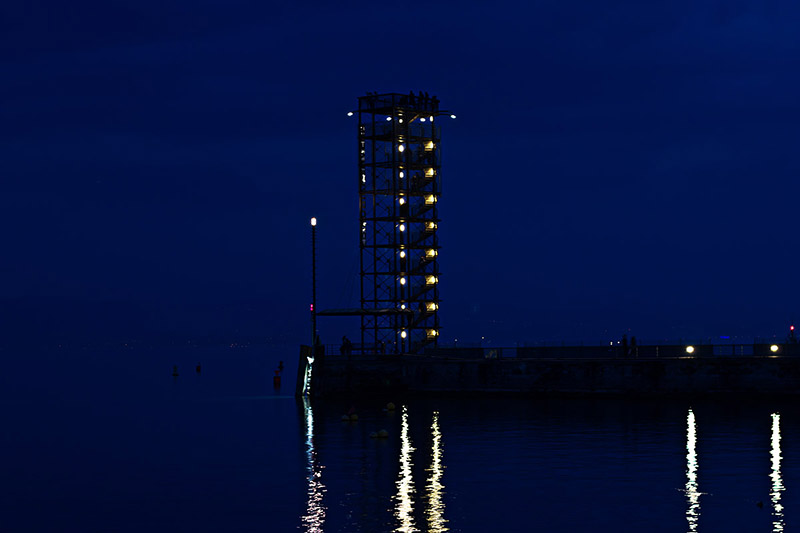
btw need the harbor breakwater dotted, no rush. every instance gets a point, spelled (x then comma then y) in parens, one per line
(482, 371)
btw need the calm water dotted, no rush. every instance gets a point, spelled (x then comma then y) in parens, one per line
(110, 441)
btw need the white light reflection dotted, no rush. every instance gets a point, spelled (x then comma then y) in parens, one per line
(775, 475)
(692, 494)
(434, 487)
(404, 508)
(315, 511)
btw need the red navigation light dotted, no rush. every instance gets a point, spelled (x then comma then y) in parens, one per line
(312, 310)
(791, 328)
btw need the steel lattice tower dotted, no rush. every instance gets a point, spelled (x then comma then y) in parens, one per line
(398, 191)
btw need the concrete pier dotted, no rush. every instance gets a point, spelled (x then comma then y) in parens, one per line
(459, 371)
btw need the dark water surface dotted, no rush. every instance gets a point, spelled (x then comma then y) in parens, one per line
(108, 440)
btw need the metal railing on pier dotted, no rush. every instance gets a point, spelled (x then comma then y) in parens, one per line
(599, 351)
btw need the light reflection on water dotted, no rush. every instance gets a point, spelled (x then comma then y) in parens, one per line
(404, 506)
(692, 493)
(435, 488)
(315, 510)
(775, 475)
(545, 458)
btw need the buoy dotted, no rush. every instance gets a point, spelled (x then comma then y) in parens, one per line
(390, 406)
(276, 382)
(175, 370)
(382, 434)
(353, 417)
(197, 368)
(345, 418)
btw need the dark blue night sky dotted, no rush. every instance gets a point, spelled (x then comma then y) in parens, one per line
(615, 167)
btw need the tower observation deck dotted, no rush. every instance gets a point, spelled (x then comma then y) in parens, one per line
(399, 184)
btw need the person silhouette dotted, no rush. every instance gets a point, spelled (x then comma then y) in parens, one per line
(347, 346)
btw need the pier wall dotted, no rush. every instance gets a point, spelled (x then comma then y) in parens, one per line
(666, 375)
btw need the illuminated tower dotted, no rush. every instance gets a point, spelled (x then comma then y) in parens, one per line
(398, 192)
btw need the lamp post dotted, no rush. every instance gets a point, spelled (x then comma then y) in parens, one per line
(314, 283)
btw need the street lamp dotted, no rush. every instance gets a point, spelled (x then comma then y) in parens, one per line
(314, 283)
